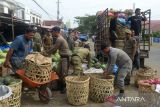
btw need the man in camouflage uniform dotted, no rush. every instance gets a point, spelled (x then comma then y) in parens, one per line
(62, 46)
(80, 54)
(70, 40)
(136, 62)
(130, 47)
(122, 60)
(130, 44)
(37, 42)
(47, 41)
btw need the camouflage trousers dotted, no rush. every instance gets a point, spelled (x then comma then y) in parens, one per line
(77, 65)
(37, 47)
(63, 71)
(123, 74)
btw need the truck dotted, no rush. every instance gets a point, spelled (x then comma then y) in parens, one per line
(103, 34)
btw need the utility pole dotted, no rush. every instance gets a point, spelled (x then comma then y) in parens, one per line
(134, 7)
(58, 2)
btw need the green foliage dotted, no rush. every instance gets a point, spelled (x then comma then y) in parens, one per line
(156, 34)
(87, 24)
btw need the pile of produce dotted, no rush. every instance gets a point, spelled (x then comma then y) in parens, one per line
(55, 60)
(8, 80)
(96, 64)
(153, 81)
(3, 52)
(2, 56)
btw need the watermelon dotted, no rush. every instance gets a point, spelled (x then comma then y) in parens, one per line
(2, 60)
(56, 57)
(103, 66)
(8, 80)
(3, 55)
(97, 65)
(92, 61)
(1, 80)
(5, 50)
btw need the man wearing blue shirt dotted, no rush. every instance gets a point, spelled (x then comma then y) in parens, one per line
(20, 48)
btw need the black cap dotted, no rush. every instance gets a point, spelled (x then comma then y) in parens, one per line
(30, 29)
(137, 9)
(56, 29)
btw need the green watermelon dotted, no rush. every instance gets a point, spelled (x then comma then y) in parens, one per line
(103, 66)
(1, 80)
(5, 51)
(2, 60)
(92, 61)
(97, 65)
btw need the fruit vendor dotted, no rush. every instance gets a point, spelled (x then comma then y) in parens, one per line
(37, 42)
(20, 48)
(61, 45)
(123, 62)
(78, 58)
(47, 41)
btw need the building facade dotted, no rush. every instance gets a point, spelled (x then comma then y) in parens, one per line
(20, 11)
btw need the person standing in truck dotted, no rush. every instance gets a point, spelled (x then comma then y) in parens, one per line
(136, 26)
(136, 21)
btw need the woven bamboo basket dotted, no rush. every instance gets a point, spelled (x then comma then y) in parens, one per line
(15, 99)
(38, 73)
(101, 87)
(4, 103)
(146, 91)
(120, 30)
(77, 89)
(144, 74)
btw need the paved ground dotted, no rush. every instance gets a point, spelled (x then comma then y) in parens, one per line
(154, 58)
(59, 100)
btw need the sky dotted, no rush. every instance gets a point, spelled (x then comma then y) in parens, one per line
(72, 8)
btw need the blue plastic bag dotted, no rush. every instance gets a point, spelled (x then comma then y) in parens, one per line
(4, 47)
(121, 21)
(115, 69)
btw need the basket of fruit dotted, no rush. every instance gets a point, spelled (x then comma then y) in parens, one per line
(144, 74)
(147, 91)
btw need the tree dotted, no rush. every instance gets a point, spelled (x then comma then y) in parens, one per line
(87, 24)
